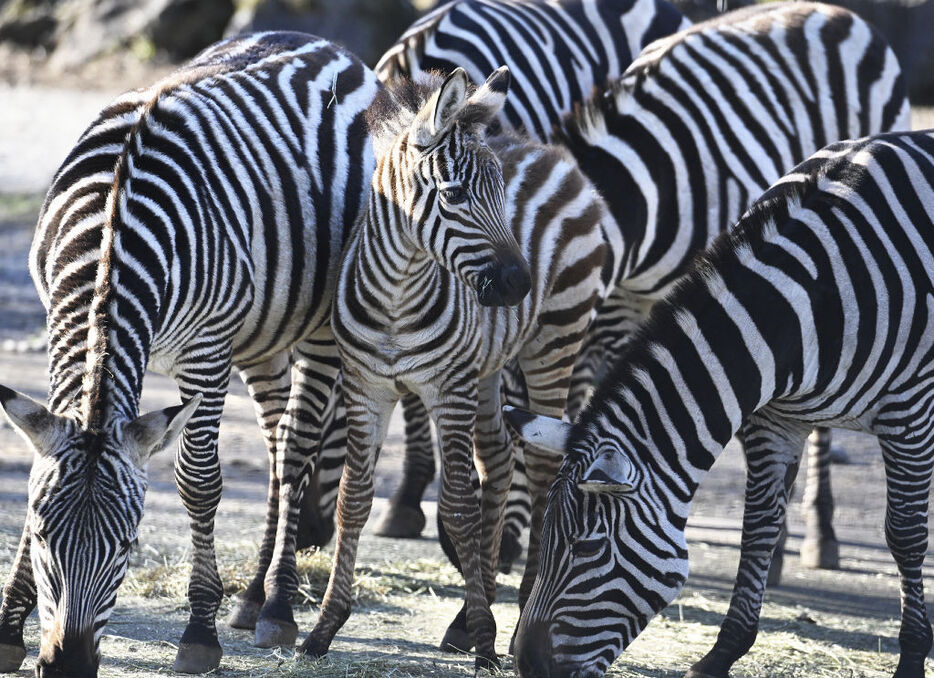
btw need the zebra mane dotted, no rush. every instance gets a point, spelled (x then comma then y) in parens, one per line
(395, 107)
(691, 291)
(92, 409)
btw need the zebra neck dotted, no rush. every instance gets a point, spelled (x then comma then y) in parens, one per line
(402, 263)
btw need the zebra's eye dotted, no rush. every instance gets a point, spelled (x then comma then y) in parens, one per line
(454, 194)
(588, 547)
(125, 546)
(40, 538)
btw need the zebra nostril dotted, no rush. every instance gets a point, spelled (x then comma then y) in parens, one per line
(534, 658)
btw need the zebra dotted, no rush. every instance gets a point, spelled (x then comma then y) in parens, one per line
(857, 90)
(458, 229)
(197, 224)
(815, 309)
(557, 53)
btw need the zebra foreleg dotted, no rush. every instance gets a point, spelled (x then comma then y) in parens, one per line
(908, 481)
(315, 365)
(773, 451)
(368, 413)
(19, 599)
(268, 384)
(198, 478)
(494, 461)
(820, 548)
(404, 517)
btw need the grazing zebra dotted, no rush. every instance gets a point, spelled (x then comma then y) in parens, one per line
(456, 231)
(196, 225)
(818, 308)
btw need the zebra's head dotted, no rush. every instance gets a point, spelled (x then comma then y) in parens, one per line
(86, 491)
(446, 186)
(613, 552)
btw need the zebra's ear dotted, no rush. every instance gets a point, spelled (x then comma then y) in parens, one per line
(32, 420)
(439, 112)
(484, 104)
(610, 472)
(153, 432)
(545, 433)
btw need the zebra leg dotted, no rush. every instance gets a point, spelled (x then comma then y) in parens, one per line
(494, 461)
(316, 520)
(518, 509)
(268, 384)
(820, 548)
(368, 413)
(19, 598)
(454, 409)
(315, 365)
(908, 481)
(198, 478)
(404, 517)
(773, 451)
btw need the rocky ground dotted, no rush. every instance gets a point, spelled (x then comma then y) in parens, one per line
(817, 623)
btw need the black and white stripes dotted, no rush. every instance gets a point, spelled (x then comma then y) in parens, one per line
(816, 309)
(197, 224)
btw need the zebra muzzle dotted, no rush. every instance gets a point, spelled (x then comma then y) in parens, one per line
(504, 283)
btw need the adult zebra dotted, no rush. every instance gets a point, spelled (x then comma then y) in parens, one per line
(557, 52)
(196, 225)
(455, 231)
(816, 309)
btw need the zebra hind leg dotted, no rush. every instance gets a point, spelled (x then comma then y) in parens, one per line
(404, 518)
(315, 366)
(268, 385)
(19, 598)
(198, 477)
(368, 413)
(319, 503)
(773, 450)
(908, 481)
(820, 548)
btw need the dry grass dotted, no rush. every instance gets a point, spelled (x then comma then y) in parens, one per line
(402, 608)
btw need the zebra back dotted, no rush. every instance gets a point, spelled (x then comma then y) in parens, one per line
(557, 52)
(704, 120)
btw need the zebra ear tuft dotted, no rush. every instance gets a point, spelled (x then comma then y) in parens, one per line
(547, 434)
(611, 472)
(441, 109)
(155, 431)
(31, 420)
(486, 103)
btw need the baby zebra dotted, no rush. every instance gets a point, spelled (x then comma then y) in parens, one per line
(196, 225)
(448, 240)
(817, 309)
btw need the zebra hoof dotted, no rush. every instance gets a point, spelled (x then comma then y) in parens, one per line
(275, 633)
(196, 658)
(456, 640)
(11, 657)
(693, 673)
(820, 554)
(485, 666)
(244, 615)
(401, 522)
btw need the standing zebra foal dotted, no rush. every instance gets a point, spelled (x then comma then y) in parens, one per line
(457, 228)
(818, 308)
(196, 225)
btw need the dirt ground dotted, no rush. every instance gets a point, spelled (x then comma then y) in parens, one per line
(817, 623)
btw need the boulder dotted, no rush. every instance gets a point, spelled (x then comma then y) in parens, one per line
(365, 27)
(180, 28)
(28, 23)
